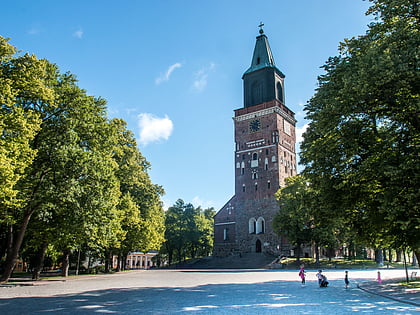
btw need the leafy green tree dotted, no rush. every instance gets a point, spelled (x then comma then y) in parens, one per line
(361, 148)
(140, 206)
(294, 218)
(189, 231)
(28, 85)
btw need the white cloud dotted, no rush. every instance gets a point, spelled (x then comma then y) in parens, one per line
(300, 131)
(78, 33)
(200, 77)
(153, 128)
(165, 76)
(197, 201)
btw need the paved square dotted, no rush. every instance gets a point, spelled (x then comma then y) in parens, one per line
(202, 292)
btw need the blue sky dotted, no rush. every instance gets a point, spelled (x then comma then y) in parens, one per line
(172, 69)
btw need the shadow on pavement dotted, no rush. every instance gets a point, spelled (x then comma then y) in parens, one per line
(276, 297)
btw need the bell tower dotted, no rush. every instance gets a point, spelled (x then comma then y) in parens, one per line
(264, 156)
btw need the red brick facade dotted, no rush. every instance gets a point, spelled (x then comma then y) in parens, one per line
(265, 155)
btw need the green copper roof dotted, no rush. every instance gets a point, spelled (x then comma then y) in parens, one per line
(262, 58)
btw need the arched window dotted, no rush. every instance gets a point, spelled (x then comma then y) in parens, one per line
(280, 92)
(257, 92)
(260, 226)
(252, 225)
(254, 162)
(242, 168)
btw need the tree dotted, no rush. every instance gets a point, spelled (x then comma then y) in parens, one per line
(362, 145)
(189, 231)
(140, 206)
(293, 220)
(28, 86)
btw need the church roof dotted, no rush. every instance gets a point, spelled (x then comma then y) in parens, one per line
(262, 58)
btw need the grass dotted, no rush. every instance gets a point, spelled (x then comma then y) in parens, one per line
(413, 284)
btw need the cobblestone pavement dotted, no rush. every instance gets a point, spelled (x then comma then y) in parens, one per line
(204, 292)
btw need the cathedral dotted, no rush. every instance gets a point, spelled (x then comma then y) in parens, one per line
(264, 156)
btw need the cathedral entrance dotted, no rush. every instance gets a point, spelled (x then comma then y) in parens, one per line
(258, 246)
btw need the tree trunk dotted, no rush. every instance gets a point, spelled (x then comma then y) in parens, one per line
(66, 263)
(119, 261)
(13, 254)
(398, 256)
(39, 261)
(379, 258)
(417, 254)
(317, 254)
(298, 253)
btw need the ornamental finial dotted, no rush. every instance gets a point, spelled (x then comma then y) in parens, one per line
(261, 28)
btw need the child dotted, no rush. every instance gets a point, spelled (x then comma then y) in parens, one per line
(379, 278)
(302, 274)
(319, 276)
(346, 278)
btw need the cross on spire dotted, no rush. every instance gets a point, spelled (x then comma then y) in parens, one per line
(261, 27)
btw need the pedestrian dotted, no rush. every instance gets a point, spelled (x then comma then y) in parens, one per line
(379, 278)
(346, 278)
(319, 276)
(302, 274)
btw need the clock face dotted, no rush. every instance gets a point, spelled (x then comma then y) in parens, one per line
(254, 125)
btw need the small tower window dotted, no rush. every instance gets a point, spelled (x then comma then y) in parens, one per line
(275, 136)
(252, 226)
(258, 60)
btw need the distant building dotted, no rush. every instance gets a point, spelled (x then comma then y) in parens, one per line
(264, 156)
(138, 260)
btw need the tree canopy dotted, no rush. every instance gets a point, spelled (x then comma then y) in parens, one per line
(69, 175)
(361, 149)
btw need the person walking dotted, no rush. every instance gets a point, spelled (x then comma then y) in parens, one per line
(346, 278)
(302, 274)
(379, 278)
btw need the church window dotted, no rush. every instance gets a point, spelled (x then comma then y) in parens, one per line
(243, 156)
(256, 186)
(225, 234)
(252, 225)
(243, 188)
(260, 228)
(238, 165)
(268, 185)
(242, 168)
(280, 92)
(266, 151)
(254, 175)
(257, 92)
(254, 162)
(266, 164)
(273, 159)
(258, 60)
(275, 136)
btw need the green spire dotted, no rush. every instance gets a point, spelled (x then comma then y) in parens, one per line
(262, 57)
